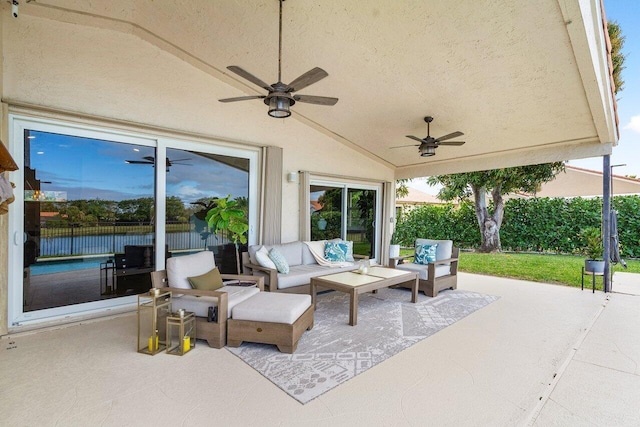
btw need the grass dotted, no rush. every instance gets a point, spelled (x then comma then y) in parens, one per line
(558, 269)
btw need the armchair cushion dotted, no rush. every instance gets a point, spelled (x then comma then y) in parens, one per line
(425, 254)
(200, 305)
(423, 270)
(444, 247)
(180, 268)
(209, 281)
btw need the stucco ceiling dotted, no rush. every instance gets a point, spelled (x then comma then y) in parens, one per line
(520, 79)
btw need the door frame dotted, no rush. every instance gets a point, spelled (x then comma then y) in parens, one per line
(16, 317)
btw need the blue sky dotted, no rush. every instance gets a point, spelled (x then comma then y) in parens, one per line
(90, 169)
(627, 14)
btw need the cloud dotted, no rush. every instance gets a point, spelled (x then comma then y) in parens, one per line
(634, 124)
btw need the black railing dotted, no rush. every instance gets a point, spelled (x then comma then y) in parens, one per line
(109, 238)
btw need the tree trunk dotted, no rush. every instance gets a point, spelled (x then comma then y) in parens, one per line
(489, 224)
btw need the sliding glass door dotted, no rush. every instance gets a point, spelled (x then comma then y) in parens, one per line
(346, 211)
(96, 211)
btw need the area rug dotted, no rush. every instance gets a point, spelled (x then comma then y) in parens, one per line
(334, 352)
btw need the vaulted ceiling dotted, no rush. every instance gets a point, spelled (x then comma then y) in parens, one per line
(527, 82)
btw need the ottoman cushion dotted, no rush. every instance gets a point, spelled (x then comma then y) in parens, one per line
(272, 307)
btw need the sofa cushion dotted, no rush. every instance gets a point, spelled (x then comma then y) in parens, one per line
(349, 244)
(272, 307)
(301, 274)
(425, 254)
(200, 305)
(291, 251)
(423, 270)
(444, 247)
(307, 256)
(209, 281)
(262, 257)
(252, 253)
(179, 268)
(279, 260)
(335, 251)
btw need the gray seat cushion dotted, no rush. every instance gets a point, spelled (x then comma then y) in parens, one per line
(301, 274)
(200, 305)
(272, 308)
(422, 270)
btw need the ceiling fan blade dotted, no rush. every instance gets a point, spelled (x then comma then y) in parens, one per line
(247, 75)
(139, 162)
(308, 78)
(415, 138)
(405, 146)
(449, 136)
(242, 98)
(318, 100)
(458, 143)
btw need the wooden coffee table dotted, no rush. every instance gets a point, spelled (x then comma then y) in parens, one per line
(354, 284)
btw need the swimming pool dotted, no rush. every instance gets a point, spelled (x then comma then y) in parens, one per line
(48, 267)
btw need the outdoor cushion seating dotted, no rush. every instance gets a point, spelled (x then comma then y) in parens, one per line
(175, 277)
(436, 275)
(302, 266)
(271, 318)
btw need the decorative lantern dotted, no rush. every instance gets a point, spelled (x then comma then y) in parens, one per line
(181, 332)
(153, 309)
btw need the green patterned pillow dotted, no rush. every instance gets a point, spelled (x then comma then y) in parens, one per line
(425, 254)
(279, 260)
(336, 251)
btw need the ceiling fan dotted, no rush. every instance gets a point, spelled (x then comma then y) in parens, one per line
(280, 98)
(150, 160)
(428, 144)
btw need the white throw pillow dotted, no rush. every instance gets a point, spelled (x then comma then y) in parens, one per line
(262, 256)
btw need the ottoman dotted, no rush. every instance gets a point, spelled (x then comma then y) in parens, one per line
(271, 318)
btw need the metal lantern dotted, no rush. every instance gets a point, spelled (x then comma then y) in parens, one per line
(153, 309)
(181, 332)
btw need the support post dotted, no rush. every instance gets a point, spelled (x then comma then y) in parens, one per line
(606, 220)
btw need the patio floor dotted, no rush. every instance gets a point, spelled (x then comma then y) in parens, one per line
(541, 355)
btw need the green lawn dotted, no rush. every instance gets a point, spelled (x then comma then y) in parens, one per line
(558, 269)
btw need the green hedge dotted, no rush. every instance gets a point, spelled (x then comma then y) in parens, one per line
(537, 224)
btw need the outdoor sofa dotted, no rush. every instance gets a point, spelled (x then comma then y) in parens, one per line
(302, 266)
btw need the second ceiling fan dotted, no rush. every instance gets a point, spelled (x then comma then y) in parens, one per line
(280, 98)
(428, 144)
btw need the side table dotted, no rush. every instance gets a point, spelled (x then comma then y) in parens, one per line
(153, 308)
(181, 332)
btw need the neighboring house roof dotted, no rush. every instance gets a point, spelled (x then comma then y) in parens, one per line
(417, 197)
(584, 182)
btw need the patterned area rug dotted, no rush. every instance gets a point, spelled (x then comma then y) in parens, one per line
(334, 352)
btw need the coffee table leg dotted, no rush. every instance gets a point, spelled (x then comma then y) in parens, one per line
(313, 293)
(353, 308)
(414, 290)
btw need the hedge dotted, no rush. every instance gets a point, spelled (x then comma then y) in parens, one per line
(536, 224)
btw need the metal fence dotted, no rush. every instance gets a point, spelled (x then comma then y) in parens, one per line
(109, 238)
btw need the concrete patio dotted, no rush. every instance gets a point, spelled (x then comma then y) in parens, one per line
(541, 355)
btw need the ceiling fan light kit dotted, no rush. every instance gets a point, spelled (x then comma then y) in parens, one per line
(279, 100)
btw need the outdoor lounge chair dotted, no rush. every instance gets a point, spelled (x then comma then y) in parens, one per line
(442, 273)
(175, 277)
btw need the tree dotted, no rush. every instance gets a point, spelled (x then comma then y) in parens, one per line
(617, 57)
(497, 182)
(226, 216)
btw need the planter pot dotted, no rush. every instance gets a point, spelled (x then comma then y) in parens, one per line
(593, 266)
(394, 251)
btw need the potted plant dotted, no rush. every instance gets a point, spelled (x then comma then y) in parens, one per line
(593, 250)
(227, 217)
(394, 247)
